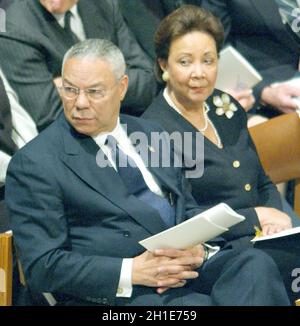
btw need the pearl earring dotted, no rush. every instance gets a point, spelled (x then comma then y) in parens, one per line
(165, 76)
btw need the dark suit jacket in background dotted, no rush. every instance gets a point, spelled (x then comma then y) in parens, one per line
(5, 3)
(144, 21)
(255, 29)
(83, 219)
(32, 49)
(7, 145)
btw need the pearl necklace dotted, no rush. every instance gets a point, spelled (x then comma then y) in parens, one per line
(219, 143)
(205, 114)
(206, 119)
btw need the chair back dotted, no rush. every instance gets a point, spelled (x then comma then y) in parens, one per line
(6, 268)
(278, 144)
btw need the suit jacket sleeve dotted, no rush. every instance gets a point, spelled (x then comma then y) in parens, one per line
(268, 197)
(36, 209)
(142, 84)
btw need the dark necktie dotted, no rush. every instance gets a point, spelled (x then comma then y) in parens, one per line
(68, 29)
(6, 143)
(136, 185)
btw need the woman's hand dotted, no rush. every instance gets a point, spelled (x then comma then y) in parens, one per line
(272, 220)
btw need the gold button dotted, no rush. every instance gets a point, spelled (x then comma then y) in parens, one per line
(247, 187)
(120, 291)
(236, 164)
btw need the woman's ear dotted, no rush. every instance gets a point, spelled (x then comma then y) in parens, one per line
(163, 64)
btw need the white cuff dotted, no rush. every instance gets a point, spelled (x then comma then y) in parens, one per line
(125, 283)
(4, 161)
(212, 250)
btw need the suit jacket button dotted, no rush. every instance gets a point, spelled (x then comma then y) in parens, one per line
(126, 234)
(247, 187)
(236, 164)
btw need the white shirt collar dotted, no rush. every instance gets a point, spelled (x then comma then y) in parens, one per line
(117, 133)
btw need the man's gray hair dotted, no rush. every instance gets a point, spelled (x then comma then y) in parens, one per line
(101, 49)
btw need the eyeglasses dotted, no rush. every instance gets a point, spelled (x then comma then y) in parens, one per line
(71, 93)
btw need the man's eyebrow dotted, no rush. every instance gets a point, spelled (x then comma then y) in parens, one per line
(91, 86)
(66, 80)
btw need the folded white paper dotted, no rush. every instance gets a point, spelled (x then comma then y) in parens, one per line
(235, 72)
(198, 229)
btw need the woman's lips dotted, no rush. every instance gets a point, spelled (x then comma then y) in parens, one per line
(198, 89)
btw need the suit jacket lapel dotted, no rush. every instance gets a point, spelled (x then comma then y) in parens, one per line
(80, 156)
(50, 27)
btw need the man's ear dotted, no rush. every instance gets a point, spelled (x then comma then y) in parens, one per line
(123, 86)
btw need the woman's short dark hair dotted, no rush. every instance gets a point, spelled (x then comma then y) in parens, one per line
(180, 22)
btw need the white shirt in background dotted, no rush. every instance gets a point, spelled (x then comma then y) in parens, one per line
(24, 128)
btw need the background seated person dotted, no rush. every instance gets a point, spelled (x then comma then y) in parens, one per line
(255, 29)
(77, 226)
(39, 33)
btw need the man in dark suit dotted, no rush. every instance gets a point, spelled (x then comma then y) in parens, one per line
(255, 29)
(38, 34)
(77, 215)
